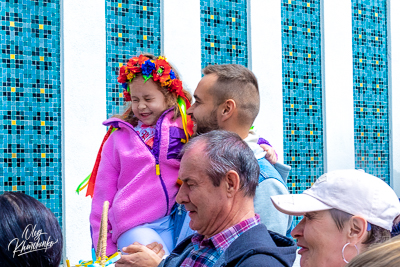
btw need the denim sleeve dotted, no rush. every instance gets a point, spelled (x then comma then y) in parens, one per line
(274, 220)
(181, 220)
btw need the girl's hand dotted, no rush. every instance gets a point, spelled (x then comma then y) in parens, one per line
(271, 155)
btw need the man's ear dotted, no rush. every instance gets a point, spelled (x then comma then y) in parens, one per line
(227, 110)
(232, 183)
(357, 229)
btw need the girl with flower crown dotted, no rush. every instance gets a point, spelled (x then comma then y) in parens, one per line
(138, 166)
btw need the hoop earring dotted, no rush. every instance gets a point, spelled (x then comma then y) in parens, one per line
(358, 252)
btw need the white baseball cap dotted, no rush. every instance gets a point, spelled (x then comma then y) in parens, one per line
(351, 191)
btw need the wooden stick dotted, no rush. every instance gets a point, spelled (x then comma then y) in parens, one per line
(98, 250)
(104, 224)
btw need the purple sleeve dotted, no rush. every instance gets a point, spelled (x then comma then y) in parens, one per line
(262, 141)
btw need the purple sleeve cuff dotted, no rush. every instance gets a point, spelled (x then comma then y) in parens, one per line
(262, 141)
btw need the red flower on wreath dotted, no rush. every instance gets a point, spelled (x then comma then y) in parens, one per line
(176, 87)
(142, 59)
(161, 73)
(122, 75)
(127, 96)
(133, 65)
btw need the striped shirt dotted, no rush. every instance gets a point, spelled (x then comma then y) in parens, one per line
(207, 251)
(146, 132)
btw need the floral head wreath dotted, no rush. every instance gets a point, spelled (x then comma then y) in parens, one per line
(160, 70)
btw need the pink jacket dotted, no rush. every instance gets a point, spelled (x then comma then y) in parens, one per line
(129, 180)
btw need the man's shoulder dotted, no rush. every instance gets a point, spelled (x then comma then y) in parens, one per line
(268, 171)
(260, 247)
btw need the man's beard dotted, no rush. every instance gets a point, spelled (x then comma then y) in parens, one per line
(207, 125)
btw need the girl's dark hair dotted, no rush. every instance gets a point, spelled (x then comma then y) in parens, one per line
(170, 98)
(18, 213)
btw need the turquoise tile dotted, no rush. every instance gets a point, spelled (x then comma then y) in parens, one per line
(223, 32)
(30, 114)
(370, 87)
(132, 28)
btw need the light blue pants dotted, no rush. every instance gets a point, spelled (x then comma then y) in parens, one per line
(160, 231)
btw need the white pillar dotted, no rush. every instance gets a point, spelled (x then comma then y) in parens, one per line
(395, 91)
(339, 111)
(84, 90)
(266, 53)
(181, 39)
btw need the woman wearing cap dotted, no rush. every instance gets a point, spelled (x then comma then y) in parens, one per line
(344, 213)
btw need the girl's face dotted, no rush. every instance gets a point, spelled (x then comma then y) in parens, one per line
(148, 103)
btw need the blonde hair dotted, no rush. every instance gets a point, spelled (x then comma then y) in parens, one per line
(386, 254)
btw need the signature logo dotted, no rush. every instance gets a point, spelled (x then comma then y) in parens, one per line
(26, 245)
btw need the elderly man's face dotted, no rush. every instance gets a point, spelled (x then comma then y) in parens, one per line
(208, 205)
(203, 111)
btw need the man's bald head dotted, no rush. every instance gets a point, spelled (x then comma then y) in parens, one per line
(238, 83)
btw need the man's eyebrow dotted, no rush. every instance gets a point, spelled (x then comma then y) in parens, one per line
(185, 180)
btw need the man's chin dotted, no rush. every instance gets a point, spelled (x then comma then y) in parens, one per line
(203, 130)
(194, 130)
(191, 225)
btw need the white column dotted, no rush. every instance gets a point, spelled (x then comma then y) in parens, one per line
(266, 52)
(84, 90)
(395, 91)
(181, 39)
(339, 112)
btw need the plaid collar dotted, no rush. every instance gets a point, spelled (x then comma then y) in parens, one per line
(223, 240)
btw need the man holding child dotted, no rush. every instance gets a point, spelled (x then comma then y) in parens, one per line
(220, 174)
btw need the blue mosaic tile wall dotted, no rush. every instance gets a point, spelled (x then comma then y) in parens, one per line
(302, 92)
(30, 113)
(132, 28)
(223, 32)
(370, 85)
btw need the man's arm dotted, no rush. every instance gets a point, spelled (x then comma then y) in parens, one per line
(274, 220)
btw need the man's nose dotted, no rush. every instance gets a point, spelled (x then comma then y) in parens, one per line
(190, 110)
(182, 197)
